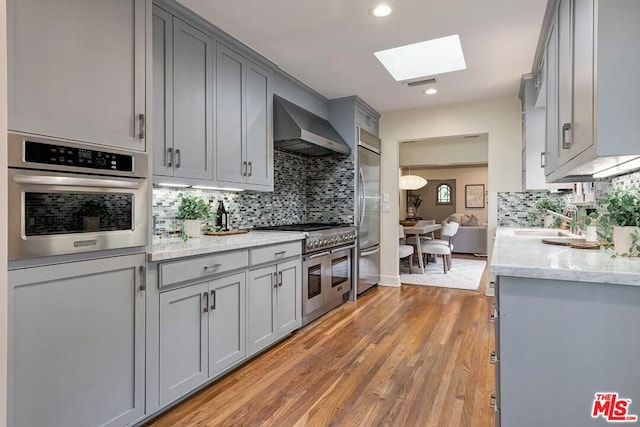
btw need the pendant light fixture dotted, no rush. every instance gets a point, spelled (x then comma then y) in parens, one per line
(412, 182)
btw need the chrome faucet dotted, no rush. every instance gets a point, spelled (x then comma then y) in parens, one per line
(569, 214)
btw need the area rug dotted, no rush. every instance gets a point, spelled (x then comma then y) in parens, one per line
(464, 274)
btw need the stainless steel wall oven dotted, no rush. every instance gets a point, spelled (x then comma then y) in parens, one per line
(67, 197)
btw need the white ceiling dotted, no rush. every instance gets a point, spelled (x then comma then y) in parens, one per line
(329, 44)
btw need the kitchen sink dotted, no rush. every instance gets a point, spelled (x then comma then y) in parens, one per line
(542, 233)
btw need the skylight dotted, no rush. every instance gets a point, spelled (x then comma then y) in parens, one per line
(428, 58)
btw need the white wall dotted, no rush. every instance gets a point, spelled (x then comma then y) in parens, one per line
(445, 151)
(499, 118)
(3, 213)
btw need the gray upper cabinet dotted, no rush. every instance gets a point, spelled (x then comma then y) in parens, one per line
(244, 138)
(77, 334)
(591, 60)
(77, 70)
(366, 120)
(183, 99)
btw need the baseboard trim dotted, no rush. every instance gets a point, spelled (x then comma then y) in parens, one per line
(393, 281)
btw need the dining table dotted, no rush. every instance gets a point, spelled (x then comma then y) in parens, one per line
(418, 230)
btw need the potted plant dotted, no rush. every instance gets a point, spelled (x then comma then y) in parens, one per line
(555, 204)
(619, 216)
(192, 211)
(91, 211)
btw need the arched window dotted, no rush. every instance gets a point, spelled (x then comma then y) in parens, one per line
(443, 194)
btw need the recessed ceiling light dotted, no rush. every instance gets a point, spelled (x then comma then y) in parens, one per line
(428, 58)
(381, 11)
(431, 91)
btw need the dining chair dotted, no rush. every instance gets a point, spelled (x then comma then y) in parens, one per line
(411, 240)
(405, 250)
(439, 247)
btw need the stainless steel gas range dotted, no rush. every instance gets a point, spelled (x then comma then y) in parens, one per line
(326, 273)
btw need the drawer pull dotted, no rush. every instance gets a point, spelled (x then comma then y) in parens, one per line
(212, 266)
(492, 401)
(494, 358)
(280, 253)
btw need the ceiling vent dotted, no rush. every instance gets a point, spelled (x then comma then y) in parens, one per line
(421, 82)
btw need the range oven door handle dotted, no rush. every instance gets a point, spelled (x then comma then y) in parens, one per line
(317, 255)
(68, 181)
(342, 248)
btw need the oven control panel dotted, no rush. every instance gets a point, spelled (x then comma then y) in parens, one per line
(50, 154)
(330, 240)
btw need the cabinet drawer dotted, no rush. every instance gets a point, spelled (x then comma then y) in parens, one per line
(195, 268)
(366, 121)
(275, 252)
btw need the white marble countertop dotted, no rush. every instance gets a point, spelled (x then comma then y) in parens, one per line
(527, 256)
(164, 249)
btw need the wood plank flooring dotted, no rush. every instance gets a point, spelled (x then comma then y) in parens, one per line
(409, 356)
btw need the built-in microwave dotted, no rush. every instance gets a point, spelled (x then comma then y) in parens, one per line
(66, 197)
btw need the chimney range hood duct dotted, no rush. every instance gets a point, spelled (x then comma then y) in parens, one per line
(300, 131)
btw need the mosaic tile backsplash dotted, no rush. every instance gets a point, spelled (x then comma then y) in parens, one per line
(514, 209)
(306, 189)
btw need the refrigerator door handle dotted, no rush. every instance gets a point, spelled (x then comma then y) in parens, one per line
(363, 198)
(370, 252)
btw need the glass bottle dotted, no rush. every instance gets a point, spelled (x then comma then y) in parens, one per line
(222, 218)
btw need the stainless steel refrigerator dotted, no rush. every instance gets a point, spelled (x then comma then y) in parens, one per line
(368, 210)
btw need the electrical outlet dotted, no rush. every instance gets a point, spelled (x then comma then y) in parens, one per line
(385, 198)
(386, 207)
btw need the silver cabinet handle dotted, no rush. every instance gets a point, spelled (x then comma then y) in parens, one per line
(274, 280)
(206, 302)
(543, 160)
(566, 130)
(178, 158)
(493, 358)
(213, 299)
(143, 278)
(492, 401)
(142, 126)
(279, 253)
(250, 168)
(212, 266)
(280, 278)
(244, 168)
(169, 159)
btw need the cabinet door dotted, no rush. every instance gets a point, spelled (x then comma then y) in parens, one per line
(183, 340)
(366, 121)
(192, 102)
(552, 144)
(162, 92)
(565, 80)
(227, 303)
(583, 65)
(288, 297)
(261, 308)
(77, 69)
(259, 147)
(230, 116)
(77, 340)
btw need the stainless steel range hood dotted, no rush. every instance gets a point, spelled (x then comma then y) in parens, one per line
(300, 131)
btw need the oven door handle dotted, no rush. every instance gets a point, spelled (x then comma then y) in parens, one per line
(74, 182)
(317, 255)
(371, 252)
(342, 248)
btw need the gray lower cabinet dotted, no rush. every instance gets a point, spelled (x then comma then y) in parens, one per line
(77, 69)
(76, 339)
(274, 303)
(183, 98)
(202, 332)
(244, 138)
(558, 344)
(183, 340)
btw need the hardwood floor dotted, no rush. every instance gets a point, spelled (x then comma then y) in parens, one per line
(409, 356)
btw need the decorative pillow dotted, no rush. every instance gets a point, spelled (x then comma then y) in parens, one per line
(470, 221)
(455, 218)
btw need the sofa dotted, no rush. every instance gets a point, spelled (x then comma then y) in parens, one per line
(471, 237)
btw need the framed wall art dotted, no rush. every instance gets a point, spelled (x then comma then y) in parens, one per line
(474, 196)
